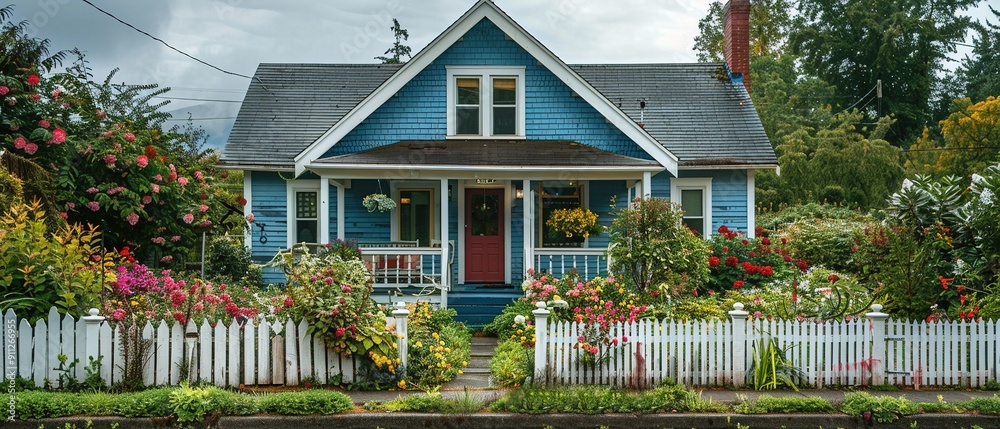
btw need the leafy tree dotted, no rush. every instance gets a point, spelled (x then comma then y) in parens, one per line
(980, 70)
(398, 49)
(95, 154)
(852, 44)
(838, 163)
(771, 21)
(969, 141)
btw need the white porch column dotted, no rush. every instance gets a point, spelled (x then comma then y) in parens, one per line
(324, 210)
(340, 211)
(248, 208)
(647, 184)
(445, 268)
(527, 208)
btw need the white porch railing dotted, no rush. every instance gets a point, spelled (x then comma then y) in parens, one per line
(409, 273)
(588, 262)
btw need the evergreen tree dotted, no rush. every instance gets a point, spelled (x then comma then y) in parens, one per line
(398, 49)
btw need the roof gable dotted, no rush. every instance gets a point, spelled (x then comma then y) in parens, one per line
(484, 9)
(418, 111)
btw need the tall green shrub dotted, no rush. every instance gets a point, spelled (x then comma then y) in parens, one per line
(652, 249)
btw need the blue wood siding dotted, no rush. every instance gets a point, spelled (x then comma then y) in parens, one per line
(517, 238)
(729, 195)
(419, 110)
(268, 204)
(359, 224)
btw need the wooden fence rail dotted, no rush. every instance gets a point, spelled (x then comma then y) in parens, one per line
(256, 352)
(865, 351)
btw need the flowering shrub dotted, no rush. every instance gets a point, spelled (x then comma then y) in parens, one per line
(343, 249)
(378, 203)
(652, 249)
(575, 222)
(334, 295)
(439, 347)
(737, 261)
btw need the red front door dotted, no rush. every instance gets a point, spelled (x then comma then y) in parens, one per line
(484, 235)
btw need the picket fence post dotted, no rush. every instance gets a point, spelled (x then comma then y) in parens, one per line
(92, 337)
(541, 342)
(402, 314)
(876, 325)
(739, 357)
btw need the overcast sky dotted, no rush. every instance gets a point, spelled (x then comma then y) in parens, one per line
(236, 35)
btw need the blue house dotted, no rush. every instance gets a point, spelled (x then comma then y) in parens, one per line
(477, 139)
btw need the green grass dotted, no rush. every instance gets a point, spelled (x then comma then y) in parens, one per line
(766, 404)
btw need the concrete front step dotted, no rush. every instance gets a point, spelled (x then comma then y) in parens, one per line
(479, 362)
(482, 350)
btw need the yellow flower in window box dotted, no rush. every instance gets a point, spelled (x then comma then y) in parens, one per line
(575, 222)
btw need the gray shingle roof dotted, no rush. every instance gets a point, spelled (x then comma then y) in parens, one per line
(288, 106)
(495, 153)
(699, 117)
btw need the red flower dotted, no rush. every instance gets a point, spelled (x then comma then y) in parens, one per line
(713, 261)
(787, 258)
(749, 268)
(759, 230)
(753, 254)
(179, 316)
(767, 271)
(961, 299)
(944, 281)
(723, 229)
(33, 80)
(738, 284)
(765, 241)
(58, 135)
(833, 278)
(803, 265)
(242, 201)
(150, 151)
(784, 240)
(745, 242)
(694, 292)
(44, 124)
(732, 261)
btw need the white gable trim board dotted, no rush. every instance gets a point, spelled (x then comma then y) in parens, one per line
(485, 9)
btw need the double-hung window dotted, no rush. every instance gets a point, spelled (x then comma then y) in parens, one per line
(416, 215)
(485, 102)
(303, 211)
(695, 197)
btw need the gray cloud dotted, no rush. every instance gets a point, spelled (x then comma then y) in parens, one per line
(237, 35)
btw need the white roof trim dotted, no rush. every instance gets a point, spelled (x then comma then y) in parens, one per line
(321, 166)
(485, 9)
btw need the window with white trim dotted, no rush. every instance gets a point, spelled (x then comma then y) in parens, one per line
(556, 195)
(303, 211)
(695, 197)
(485, 101)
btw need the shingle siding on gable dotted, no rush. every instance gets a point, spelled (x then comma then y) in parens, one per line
(419, 110)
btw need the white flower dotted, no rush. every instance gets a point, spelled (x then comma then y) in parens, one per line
(977, 179)
(519, 319)
(986, 197)
(907, 183)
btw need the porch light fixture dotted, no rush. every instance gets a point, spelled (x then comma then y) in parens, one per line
(404, 200)
(519, 193)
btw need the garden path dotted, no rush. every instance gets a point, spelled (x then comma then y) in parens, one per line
(477, 374)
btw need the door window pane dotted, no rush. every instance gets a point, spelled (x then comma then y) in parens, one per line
(485, 215)
(416, 216)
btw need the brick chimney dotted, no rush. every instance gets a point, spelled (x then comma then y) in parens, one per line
(737, 36)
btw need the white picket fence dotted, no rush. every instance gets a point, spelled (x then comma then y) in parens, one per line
(254, 353)
(865, 351)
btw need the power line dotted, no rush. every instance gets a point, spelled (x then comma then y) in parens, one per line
(197, 99)
(202, 119)
(952, 148)
(175, 49)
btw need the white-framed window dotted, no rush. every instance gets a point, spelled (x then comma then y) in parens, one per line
(303, 211)
(485, 102)
(555, 195)
(695, 197)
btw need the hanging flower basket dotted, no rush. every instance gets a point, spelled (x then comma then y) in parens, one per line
(378, 203)
(577, 222)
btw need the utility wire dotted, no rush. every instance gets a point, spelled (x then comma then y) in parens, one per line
(197, 99)
(952, 148)
(175, 49)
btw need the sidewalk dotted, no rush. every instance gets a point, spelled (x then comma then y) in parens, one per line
(720, 395)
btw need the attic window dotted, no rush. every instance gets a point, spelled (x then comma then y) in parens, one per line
(485, 102)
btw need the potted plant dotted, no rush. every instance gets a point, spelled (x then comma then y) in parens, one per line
(574, 223)
(378, 203)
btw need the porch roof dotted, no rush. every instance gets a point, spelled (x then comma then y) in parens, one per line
(513, 154)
